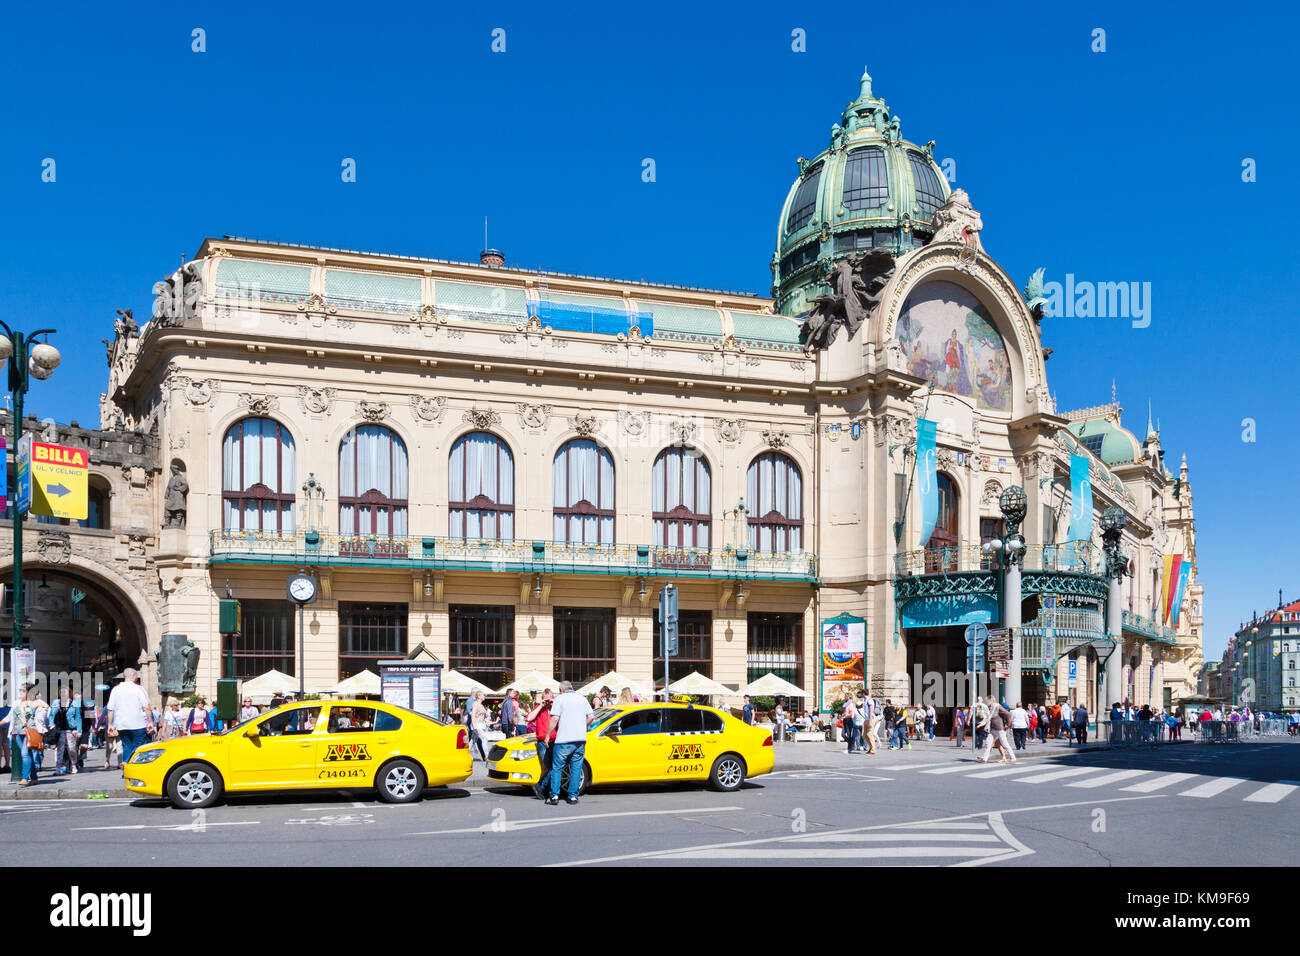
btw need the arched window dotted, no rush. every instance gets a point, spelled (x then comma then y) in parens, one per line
(481, 488)
(774, 489)
(372, 482)
(257, 484)
(941, 549)
(679, 499)
(584, 493)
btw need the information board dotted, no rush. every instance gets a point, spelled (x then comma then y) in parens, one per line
(415, 685)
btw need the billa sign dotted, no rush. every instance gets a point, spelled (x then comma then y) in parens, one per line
(59, 481)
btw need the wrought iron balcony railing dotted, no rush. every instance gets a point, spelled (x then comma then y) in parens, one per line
(413, 551)
(1149, 628)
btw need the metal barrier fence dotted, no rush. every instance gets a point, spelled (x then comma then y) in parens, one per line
(1223, 731)
(1136, 732)
(1272, 727)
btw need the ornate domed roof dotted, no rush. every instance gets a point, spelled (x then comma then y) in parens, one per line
(870, 188)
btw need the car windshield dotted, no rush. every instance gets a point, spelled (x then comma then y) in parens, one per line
(601, 716)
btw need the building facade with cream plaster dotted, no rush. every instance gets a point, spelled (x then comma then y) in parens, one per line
(506, 465)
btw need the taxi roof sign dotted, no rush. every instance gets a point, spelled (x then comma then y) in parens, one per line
(59, 480)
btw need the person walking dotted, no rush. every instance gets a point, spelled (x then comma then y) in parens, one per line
(1081, 724)
(959, 726)
(1020, 724)
(864, 724)
(27, 725)
(173, 721)
(1042, 724)
(747, 712)
(67, 721)
(979, 723)
(931, 718)
(479, 718)
(130, 717)
(196, 721)
(248, 711)
(999, 718)
(539, 720)
(1032, 712)
(509, 711)
(572, 715)
(849, 722)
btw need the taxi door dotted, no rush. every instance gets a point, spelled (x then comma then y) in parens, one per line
(691, 750)
(349, 749)
(634, 747)
(282, 754)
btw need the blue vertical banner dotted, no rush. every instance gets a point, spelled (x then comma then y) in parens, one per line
(1080, 500)
(927, 476)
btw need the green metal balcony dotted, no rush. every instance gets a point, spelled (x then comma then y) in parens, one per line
(1149, 628)
(539, 557)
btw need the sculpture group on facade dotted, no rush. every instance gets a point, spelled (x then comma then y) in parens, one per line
(856, 285)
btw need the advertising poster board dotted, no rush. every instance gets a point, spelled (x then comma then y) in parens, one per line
(843, 647)
(416, 685)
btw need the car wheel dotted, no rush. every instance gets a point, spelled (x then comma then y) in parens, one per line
(728, 773)
(582, 787)
(401, 781)
(193, 786)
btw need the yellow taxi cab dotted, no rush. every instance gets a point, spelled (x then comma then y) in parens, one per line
(308, 745)
(651, 742)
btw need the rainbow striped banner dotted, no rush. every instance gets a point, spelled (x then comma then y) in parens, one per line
(1169, 585)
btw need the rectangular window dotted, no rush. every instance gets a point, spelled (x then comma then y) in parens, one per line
(268, 641)
(775, 645)
(991, 529)
(483, 643)
(694, 646)
(866, 185)
(584, 643)
(369, 633)
(805, 202)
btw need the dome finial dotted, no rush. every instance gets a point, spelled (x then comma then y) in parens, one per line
(865, 92)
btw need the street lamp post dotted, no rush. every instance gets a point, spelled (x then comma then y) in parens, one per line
(1014, 505)
(1113, 522)
(27, 360)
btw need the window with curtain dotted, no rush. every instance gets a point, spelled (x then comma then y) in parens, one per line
(481, 488)
(584, 493)
(372, 482)
(774, 491)
(679, 499)
(257, 482)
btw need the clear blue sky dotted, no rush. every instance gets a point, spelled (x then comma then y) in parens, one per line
(1115, 166)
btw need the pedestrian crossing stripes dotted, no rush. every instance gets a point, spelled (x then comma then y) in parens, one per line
(966, 843)
(1129, 781)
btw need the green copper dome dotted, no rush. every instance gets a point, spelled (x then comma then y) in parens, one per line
(870, 188)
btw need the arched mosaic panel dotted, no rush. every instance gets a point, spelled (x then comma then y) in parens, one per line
(948, 338)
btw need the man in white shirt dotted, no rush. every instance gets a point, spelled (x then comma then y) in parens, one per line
(572, 716)
(130, 715)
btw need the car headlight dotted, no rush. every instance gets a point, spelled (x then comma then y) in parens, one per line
(146, 756)
(523, 754)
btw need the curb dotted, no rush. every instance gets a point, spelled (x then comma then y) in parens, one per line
(8, 793)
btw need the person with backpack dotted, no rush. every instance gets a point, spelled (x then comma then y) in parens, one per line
(865, 725)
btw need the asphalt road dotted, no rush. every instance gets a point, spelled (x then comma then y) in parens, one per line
(1178, 806)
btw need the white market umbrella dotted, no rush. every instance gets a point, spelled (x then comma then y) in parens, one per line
(533, 680)
(769, 685)
(615, 682)
(454, 682)
(697, 685)
(366, 682)
(269, 684)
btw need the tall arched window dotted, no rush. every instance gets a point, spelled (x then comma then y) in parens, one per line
(774, 489)
(481, 488)
(584, 493)
(679, 499)
(257, 485)
(945, 529)
(372, 482)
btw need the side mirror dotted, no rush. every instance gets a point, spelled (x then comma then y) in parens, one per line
(251, 733)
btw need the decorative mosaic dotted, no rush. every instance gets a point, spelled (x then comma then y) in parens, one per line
(262, 281)
(948, 338)
(372, 292)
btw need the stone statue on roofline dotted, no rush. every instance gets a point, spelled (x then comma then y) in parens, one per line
(856, 284)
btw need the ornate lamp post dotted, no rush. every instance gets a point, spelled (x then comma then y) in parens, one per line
(1014, 505)
(1113, 522)
(27, 360)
